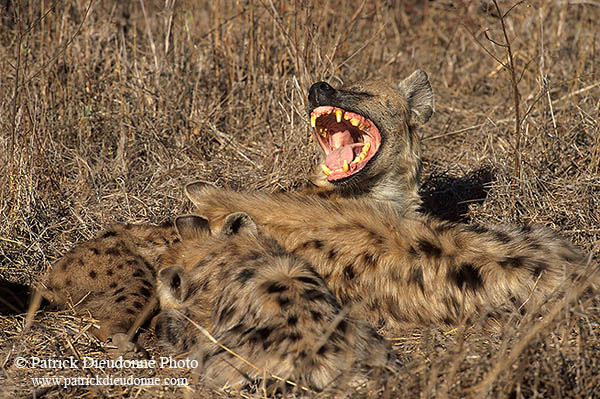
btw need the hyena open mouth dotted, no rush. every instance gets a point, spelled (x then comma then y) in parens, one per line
(349, 140)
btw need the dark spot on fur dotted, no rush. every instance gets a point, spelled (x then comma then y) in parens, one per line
(110, 272)
(109, 234)
(316, 244)
(332, 255)
(429, 248)
(476, 228)
(370, 260)
(112, 251)
(130, 311)
(534, 245)
(139, 273)
(138, 305)
(68, 283)
(121, 298)
(283, 301)
(538, 268)
(501, 236)
(449, 321)
(131, 262)
(275, 286)
(113, 285)
(147, 283)
(117, 292)
(261, 334)
(413, 252)
(307, 280)
(466, 276)
(416, 276)
(313, 295)
(253, 255)
(512, 262)
(93, 274)
(349, 272)
(95, 251)
(64, 265)
(378, 240)
(292, 320)
(120, 266)
(295, 336)
(245, 275)
(226, 313)
(322, 350)
(144, 292)
(342, 326)
(316, 316)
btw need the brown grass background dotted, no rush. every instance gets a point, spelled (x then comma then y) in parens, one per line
(108, 108)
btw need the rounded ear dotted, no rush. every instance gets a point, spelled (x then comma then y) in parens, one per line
(190, 227)
(238, 223)
(173, 284)
(195, 191)
(418, 94)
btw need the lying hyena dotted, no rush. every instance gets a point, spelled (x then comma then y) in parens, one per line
(405, 269)
(259, 301)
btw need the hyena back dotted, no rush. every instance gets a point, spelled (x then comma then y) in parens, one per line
(405, 269)
(262, 303)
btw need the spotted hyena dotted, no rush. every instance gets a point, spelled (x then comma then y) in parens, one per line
(260, 302)
(111, 277)
(405, 268)
(366, 131)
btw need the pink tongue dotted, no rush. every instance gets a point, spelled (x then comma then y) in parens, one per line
(336, 158)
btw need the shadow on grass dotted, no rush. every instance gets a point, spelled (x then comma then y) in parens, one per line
(448, 197)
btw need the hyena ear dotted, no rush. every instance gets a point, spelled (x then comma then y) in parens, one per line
(238, 223)
(190, 227)
(196, 190)
(173, 285)
(419, 96)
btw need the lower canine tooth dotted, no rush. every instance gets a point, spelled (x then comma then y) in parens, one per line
(326, 170)
(345, 167)
(313, 121)
(366, 146)
(338, 115)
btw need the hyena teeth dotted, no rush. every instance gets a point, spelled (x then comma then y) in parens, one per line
(338, 115)
(366, 147)
(347, 117)
(346, 166)
(326, 170)
(354, 122)
(313, 121)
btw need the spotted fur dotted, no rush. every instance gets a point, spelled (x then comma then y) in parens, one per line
(110, 277)
(264, 304)
(405, 268)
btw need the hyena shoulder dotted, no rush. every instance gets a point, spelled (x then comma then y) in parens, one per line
(263, 303)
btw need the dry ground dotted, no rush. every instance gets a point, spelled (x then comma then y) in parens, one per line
(107, 108)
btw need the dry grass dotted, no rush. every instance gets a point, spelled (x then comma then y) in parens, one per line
(107, 108)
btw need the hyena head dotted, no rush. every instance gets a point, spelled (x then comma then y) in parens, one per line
(366, 132)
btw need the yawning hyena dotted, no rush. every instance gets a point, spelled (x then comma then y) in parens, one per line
(366, 131)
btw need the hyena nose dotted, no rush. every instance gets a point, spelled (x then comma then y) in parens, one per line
(320, 94)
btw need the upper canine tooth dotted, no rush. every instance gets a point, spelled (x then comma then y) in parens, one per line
(326, 170)
(345, 167)
(354, 122)
(313, 120)
(338, 115)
